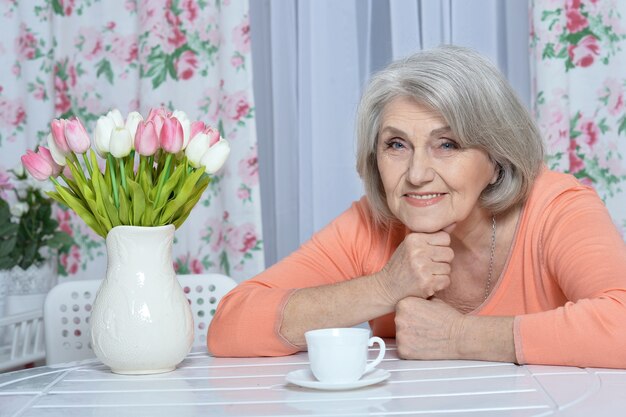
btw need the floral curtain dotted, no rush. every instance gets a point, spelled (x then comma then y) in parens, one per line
(578, 81)
(60, 58)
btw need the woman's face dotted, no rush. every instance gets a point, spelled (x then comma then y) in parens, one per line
(431, 183)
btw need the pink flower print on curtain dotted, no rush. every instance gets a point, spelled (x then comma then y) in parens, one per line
(186, 65)
(579, 48)
(26, 44)
(241, 36)
(249, 174)
(90, 43)
(232, 245)
(612, 95)
(68, 59)
(12, 118)
(70, 262)
(584, 52)
(237, 106)
(567, 33)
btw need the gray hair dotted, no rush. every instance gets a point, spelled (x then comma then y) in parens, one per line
(478, 104)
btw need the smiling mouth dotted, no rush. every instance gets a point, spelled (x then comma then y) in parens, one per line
(424, 196)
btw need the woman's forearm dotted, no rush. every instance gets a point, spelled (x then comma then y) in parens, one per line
(343, 304)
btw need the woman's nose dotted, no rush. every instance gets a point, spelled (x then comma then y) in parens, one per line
(420, 168)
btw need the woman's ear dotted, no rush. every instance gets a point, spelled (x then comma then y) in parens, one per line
(496, 173)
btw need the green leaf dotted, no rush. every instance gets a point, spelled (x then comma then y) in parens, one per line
(622, 125)
(77, 184)
(124, 209)
(138, 199)
(29, 256)
(181, 215)
(57, 8)
(169, 64)
(57, 197)
(104, 200)
(168, 187)
(104, 67)
(60, 240)
(183, 195)
(7, 229)
(78, 207)
(7, 246)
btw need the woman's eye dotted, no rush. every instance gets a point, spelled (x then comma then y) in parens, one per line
(395, 145)
(449, 145)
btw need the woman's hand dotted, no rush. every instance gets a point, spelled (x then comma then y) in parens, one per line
(419, 267)
(428, 329)
(431, 329)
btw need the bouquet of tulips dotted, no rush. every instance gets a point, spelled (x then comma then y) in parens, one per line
(150, 172)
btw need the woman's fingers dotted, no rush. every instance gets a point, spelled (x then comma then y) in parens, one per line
(419, 267)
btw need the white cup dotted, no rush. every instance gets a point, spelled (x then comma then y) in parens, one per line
(340, 355)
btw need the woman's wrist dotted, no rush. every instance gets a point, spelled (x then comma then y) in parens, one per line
(486, 338)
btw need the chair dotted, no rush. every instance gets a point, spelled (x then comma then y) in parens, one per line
(66, 313)
(204, 292)
(68, 307)
(21, 339)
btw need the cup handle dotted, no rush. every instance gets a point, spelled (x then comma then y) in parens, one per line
(381, 353)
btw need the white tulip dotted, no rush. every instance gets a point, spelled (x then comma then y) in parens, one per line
(215, 156)
(102, 137)
(197, 147)
(121, 142)
(185, 123)
(116, 116)
(132, 121)
(57, 155)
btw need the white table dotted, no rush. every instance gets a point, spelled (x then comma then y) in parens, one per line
(207, 386)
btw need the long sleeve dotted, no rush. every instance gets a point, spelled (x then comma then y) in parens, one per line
(248, 319)
(578, 262)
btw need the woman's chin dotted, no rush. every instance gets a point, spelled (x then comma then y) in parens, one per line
(423, 228)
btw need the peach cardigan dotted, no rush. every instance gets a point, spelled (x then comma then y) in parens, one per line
(564, 281)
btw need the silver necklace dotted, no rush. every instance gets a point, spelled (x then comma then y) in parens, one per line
(491, 255)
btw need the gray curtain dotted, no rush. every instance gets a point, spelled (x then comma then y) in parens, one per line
(311, 59)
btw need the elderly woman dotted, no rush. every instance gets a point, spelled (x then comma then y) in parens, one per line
(465, 246)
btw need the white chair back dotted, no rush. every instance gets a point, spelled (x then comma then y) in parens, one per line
(68, 308)
(66, 313)
(204, 292)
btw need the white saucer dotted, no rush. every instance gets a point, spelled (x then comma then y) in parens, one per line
(305, 378)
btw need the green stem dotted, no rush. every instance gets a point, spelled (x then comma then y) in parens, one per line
(151, 170)
(123, 175)
(116, 196)
(131, 162)
(88, 164)
(71, 184)
(142, 166)
(163, 177)
(72, 159)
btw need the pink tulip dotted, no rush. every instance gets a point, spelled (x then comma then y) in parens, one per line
(67, 173)
(160, 112)
(171, 136)
(196, 127)
(36, 165)
(213, 134)
(45, 153)
(57, 126)
(76, 136)
(146, 138)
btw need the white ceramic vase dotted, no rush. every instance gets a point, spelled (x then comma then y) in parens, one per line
(141, 322)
